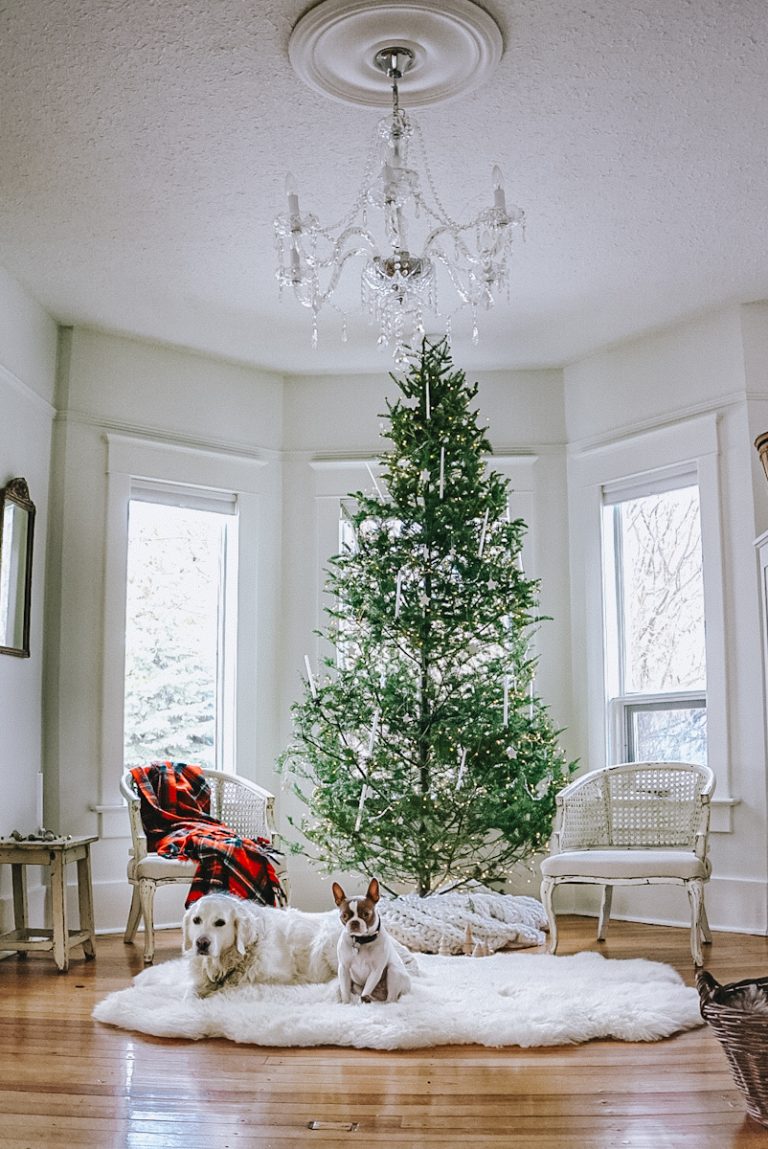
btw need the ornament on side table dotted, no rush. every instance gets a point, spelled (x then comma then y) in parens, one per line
(42, 835)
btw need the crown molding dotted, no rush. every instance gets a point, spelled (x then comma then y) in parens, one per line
(672, 419)
(112, 428)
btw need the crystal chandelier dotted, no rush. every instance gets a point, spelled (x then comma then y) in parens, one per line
(399, 278)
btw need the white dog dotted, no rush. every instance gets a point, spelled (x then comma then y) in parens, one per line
(233, 942)
(370, 965)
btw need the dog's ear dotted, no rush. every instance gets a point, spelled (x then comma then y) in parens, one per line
(186, 941)
(338, 894)
(246, 930)
(373, 890)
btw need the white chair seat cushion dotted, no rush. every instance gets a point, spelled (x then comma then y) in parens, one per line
(675, 864)
(155, 866)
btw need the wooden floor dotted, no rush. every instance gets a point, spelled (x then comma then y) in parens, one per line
(68, 1081)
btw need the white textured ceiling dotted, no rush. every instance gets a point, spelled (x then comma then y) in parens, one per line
(144, 143)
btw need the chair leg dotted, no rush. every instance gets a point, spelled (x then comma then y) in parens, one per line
(706, 932)
(605, 912)
(696, 897)
(134, 917)
(147, 897)
(546, 892)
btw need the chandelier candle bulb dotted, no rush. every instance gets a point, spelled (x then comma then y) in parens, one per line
(293, 196)
(506, 702)
(442, 471)
(499, 198)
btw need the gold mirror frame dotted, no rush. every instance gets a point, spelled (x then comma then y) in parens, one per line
(761, 446)
(17, 530)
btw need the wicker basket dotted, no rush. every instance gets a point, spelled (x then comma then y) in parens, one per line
(743, 1034)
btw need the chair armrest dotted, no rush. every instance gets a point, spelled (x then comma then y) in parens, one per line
(138, 838)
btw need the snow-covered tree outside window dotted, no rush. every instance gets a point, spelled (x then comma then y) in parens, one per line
(180, 627)
(655, 633)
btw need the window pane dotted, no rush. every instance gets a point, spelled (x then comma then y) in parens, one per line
(174, 633)
(662, 592)
(675, 735)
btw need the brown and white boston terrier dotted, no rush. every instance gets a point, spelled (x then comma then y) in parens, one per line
(370, 968)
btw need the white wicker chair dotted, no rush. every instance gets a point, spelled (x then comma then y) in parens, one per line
(638, 823)
(242, 805)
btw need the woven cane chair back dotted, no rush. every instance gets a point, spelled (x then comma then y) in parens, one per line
(638, 805)
(246, 808)
(243, 806)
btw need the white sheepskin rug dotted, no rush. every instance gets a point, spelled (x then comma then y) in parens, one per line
(505, 999)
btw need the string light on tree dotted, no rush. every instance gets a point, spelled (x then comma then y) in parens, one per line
(445, 771)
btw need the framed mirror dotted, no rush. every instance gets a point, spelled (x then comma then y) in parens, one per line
(17, 523)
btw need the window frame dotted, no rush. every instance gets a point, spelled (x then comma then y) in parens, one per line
(691, 443)
(622, 707)
(223, 503)
(621, 703)
(133, 460)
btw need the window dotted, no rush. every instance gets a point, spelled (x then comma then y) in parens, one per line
(654, 625)
(180, 627)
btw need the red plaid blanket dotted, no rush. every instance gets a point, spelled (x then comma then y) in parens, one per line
(175, 812)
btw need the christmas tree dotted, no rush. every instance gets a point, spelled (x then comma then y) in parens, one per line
(430, 759)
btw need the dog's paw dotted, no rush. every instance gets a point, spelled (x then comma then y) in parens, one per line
(366, 998)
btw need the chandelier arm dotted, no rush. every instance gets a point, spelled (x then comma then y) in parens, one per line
(337, 251)
(462, 289)
(431, 248)
(322, 297)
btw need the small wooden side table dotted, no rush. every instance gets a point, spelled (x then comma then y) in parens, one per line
(54, 856)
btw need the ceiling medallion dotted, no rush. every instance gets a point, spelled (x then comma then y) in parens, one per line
(359, 53)
(455, 47)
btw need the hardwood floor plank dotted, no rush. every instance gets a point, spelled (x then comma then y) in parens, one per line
(66, 1080)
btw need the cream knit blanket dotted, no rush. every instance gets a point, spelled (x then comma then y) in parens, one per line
(438, 924)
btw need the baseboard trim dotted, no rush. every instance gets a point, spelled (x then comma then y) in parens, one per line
(650, 921)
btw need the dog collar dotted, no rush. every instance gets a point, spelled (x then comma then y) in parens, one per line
(368, 938)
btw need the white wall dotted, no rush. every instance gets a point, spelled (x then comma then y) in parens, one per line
(711, 373)
(117, 399)
(313, 435)
(27, 378)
